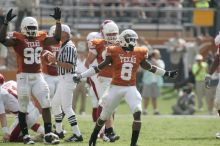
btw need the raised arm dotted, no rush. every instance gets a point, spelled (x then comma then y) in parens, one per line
(93, 70)
(3, 31)
(57, 37)
(157, 70)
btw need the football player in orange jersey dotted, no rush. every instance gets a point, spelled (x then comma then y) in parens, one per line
(109, 32)
(28, 46)
(125, 60)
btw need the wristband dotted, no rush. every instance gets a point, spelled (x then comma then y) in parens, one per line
(5, 130)
(58, 21)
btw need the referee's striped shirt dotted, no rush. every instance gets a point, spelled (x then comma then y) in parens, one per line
(68, 54)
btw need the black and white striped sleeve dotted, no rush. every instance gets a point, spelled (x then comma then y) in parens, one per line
(71, 54)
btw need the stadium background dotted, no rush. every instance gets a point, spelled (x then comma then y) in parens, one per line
(154, 20)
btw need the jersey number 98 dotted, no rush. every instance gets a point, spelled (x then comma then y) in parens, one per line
(32, 55)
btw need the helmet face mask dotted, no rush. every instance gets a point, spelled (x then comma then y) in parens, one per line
(128, 39)
(29, 27)
(111, 37)
(110, 31)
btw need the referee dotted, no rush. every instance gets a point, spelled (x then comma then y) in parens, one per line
(62, 100)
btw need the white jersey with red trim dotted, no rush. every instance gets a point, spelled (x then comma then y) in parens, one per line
(8, 97)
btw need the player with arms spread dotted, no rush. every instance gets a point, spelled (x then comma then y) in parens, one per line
(109, 32)
(28, 46)
(125, 60)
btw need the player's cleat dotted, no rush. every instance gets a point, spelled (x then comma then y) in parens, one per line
(105, 138)
(112, 137)
(27, 140)
(51, 138)
(60, 135)
(75, 138)
(217, 135)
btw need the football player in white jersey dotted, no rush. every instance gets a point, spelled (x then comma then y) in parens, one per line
(93, 80)
(9, 104)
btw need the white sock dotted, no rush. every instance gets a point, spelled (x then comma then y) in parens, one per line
(59, 127)
(76, 130)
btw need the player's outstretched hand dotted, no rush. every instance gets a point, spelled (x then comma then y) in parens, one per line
(208, 81)
(57, 13)
(9, 16)
(77, 78)
(171, 74)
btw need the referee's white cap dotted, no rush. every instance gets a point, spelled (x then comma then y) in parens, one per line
(66, 28)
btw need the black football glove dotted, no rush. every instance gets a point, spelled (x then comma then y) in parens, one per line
(9, 16)
(77, 78)
(171, 74)
(57, 14)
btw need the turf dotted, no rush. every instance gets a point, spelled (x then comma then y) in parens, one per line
(163, 130)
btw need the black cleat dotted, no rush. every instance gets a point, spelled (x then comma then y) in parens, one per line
(27, 140)
(112, 137)
(75, 138)
(60, 135)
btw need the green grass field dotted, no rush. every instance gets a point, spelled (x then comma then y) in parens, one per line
(163, 130)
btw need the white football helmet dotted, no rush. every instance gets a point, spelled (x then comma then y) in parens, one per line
(29, 27)
(128, 38)
(91, 36)
(110, 31)
(52, 30)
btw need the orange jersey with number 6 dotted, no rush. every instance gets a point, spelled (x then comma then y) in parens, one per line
(125, 64)
(28, 52)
